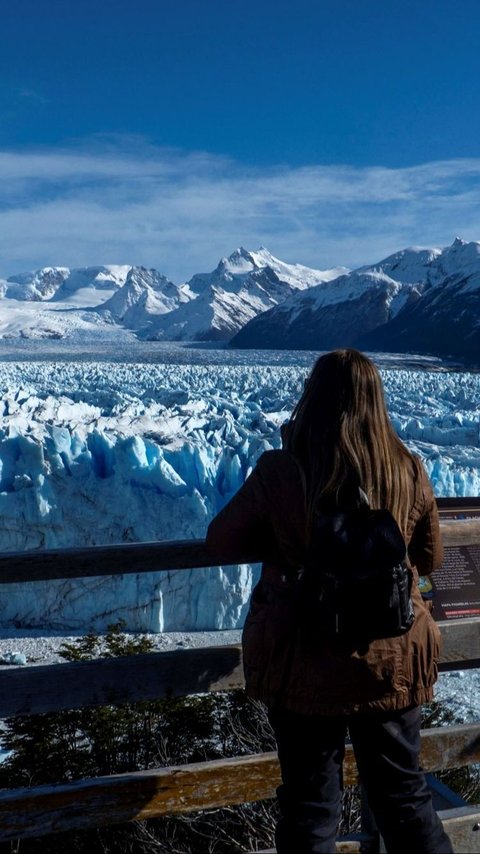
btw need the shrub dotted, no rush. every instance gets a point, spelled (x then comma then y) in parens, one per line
(68, 745)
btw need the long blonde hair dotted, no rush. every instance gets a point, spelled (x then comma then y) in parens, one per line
(340, 431)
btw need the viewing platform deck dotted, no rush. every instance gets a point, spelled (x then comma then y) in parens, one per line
(163, 791)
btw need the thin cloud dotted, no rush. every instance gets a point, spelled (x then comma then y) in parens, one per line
(32, 95)
(126, 201)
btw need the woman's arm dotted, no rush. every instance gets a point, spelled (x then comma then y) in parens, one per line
(242, 527)
(426, 548)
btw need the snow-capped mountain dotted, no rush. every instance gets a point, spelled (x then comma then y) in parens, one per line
(89, 300)
(416, 300)
(421, 300)
(145, 294)
(409, 266)
(446, 320)
(58, 302)
(83, 285)
(241, 263)
(242, 286)
(334, 314)
(39, 285)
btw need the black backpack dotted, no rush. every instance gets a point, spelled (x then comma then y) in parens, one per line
(355, 584)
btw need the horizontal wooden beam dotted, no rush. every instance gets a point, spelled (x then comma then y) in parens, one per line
(463, 827)
(136, 796)
(450, 747)
(184, 788)
(460, 532)
(344, 845)
(94, 561)
(460, 644)
(104, 681)
(457, 503)
(124, 558)
(126, 679)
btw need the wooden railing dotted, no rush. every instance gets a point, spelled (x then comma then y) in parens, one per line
(187, 788)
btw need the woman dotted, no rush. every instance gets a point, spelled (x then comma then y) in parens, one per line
(317, 689)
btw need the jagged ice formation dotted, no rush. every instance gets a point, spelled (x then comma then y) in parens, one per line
(94, 453)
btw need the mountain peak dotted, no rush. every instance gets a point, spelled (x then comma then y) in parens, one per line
(240, 252)
(463, 248)
(239, 258)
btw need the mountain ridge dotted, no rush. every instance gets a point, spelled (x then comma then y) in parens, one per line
(424, 300)
(420, 300)
(210, 306)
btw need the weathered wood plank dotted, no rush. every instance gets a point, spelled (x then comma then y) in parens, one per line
(345, 845)
(463, 827)
(127, 558)
(442, 748)
(49, 688)
(184, 788)
(450, 746)
(342, 846)
(142, 795)
(460, 532)
(457, 503)
(103, 560)
(460, 644)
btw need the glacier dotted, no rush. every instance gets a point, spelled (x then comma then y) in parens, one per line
(110, 451)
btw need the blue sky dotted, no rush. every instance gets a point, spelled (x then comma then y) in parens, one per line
(169, 132)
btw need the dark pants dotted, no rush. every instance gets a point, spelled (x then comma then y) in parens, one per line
(386, 745)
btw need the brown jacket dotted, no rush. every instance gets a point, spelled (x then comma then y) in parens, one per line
(267, 516)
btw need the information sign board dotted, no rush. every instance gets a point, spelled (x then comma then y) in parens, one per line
(455, 586)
